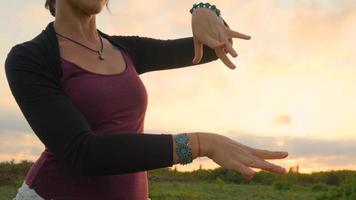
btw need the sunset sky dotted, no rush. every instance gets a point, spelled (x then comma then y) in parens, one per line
(294, 87)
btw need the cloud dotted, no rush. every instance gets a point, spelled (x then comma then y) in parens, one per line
(19, 145)
(300, 146)
(282, 120)
(309, 153)
(13, 121)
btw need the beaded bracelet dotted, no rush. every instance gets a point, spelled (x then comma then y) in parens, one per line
(183, 149)
(206, 5)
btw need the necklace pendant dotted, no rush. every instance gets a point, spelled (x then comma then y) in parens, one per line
(101, 56)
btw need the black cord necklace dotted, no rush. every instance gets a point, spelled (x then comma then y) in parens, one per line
(99, 52)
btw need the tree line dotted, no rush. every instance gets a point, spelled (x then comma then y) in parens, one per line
(340, 184)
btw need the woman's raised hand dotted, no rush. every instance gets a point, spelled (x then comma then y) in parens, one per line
(233, 155)
(210, 30)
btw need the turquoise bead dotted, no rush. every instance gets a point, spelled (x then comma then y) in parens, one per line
(206, 5)
(182, 139)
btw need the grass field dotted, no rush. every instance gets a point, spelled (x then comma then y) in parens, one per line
(7, 192)
(219, 184)
(209, 191)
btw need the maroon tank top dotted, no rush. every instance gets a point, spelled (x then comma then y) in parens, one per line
(110, 103)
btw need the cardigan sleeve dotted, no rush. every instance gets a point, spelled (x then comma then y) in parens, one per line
(64, 130)
(151, 54)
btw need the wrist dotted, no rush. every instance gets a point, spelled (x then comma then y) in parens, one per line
(207, 11)
(201, 145)
(194, 144)
(206, 144)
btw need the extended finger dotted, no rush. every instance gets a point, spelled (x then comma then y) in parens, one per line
(262, 164)
(265, 154)
(247, 172)
(239, 35)
(231, 41)
(231, 50)
(223, 57)
(198, 51)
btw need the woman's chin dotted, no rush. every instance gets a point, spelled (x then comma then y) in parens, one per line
(94, 11)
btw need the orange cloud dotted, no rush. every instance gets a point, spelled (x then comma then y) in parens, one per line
(282, 120)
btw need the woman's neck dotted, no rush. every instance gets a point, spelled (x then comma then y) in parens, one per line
(74, 23)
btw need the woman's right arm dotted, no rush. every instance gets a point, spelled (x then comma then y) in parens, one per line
(233, 155)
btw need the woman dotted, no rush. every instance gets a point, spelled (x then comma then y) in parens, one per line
(79, 90)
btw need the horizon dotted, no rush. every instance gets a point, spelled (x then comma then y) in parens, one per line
(294, 88)
(201, 167)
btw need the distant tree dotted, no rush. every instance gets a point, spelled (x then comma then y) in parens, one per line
(333, 178)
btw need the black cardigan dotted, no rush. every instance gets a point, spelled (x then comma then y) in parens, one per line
(33, 72)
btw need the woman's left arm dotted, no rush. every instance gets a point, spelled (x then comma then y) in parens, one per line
(150, 54)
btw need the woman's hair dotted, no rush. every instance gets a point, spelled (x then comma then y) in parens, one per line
(51, 6)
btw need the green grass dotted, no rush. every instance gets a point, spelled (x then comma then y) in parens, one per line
(220, 184)
(7, 192)
(207, 191)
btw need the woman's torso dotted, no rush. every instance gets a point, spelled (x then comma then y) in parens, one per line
(113, 100)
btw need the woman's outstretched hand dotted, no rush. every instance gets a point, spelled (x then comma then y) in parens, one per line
(210, 30)
(233, 155)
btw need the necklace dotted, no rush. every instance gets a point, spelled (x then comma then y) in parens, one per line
(99, 52)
